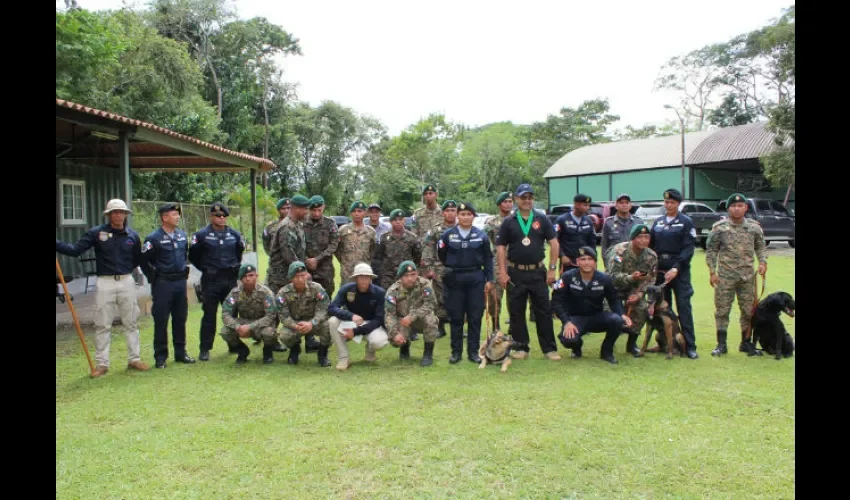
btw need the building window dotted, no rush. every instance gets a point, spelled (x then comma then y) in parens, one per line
(72, 202)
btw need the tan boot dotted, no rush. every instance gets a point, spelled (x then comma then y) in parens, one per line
(138, 365)
(519, 355)
(99, 370)
(342, 364)
(370, 356)
(553, 355)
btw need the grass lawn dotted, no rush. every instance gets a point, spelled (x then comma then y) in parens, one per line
(646, 428)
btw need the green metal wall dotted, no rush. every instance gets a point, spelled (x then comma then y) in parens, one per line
(562, 190)
(595, 186)
(642, 185)
(711, 186)
(102, 184)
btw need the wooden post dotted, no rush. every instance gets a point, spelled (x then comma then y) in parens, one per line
(253, 173)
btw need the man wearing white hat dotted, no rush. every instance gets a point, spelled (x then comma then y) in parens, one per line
(117, 251)
(357, 313)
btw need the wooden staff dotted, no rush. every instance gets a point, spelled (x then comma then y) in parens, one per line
(74, 314)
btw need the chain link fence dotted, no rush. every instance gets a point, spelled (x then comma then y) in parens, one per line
(194, 217)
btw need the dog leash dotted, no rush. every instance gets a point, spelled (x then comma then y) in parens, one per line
(488, 318)
(756, 299)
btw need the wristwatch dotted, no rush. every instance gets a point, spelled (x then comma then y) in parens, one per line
(552, 267)
(314, 322)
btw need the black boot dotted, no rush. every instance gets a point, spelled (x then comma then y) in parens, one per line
(721, 344)
(427, 356)
(311, 344)
(323, 356)
(748, 347)
(404, 351)
(243, 352)
(455, 358)
(293, 354)
(631, 345)
(609, 357)
(268, 355)
(279, 347)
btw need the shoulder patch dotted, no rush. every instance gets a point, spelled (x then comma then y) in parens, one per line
(558, 284)
(427, 291)
(147, 246)
(391, 299)
(231, 300)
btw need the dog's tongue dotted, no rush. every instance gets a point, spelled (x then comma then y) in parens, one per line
(789, 312)
(651, 310)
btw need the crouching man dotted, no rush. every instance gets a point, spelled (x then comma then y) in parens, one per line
(577, 301)
(249, 311)
(302, 309)
(357, 313)
(410, 304)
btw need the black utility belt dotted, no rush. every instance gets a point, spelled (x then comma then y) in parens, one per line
(527, 267)
(116, 277)
(174, 276)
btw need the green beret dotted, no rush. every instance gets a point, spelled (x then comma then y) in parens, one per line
(404, 268)
(299, 200)
(295, 268)
(504, 195)
(357, 204)
(316, 201)
(735, 198)
(637, 230)
(281, 202)
(396, 213)
(429, 187)
(449, 204)
(245, 269)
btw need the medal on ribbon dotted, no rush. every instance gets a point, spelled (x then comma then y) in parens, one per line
(525, 226)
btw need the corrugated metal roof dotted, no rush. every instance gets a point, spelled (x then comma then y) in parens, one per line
(263, 163)
(626, 155)
(735, 143)
(708, 146)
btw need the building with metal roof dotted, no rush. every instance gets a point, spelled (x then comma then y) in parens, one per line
(716, 164)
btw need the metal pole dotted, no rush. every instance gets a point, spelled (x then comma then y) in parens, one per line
(682, 122)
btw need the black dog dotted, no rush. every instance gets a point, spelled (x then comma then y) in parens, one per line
(768, 329)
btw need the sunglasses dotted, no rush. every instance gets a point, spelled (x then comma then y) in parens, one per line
(527, 197)
(219, 214)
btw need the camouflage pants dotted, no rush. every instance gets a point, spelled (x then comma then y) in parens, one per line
(439, 295)
(724, 294)
(324, 275)
(267, 335)
(426, 325)
(291, 338)
(387, 280)
(276, 281)
(639, 313)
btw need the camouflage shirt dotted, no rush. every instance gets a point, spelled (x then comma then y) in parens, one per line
(424, 219)
(268, 232)
(288, 245)
(322, 239)
(491, 229)
(395, 249)
(430, 261)
(257, 307)
(356, 244)
(311, 304)
(623, 262)
(417, 301)
(731, 248)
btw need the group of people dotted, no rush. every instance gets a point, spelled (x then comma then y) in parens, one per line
(398, 283)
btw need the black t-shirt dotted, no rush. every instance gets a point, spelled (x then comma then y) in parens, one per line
(510, 235)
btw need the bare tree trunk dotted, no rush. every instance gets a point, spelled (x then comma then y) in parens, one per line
(215, 83)
(787, 195)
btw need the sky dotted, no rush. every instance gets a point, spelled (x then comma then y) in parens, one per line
(480, 62)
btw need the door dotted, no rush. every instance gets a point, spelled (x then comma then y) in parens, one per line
(785, 226)
(767, 219)
(699, 213)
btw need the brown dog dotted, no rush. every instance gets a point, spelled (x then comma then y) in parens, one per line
(496, 350)
(663, 319)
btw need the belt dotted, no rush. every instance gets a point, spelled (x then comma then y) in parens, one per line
(172, 276)
(667, 256)
(527, 267)
(116, 277)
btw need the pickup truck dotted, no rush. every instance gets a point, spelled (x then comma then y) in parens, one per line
(777, 222)
(702, 215)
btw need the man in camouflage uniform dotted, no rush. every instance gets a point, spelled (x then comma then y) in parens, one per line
(288, 244)
(425, 217)
(356, 242)
(396, 247)
(410, 304)
(322, 241)
(729, 253)
(618, 227)
(249, 311)
(302, 308)
(432, 268)
(633, 266)
(505, 202)
(271, 226)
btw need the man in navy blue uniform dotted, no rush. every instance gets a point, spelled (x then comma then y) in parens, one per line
(164, 255)
(577, 299)
(575, 230)
(673, 237)
(117, 252)
(216, 251)
(521, 252)
(358, 310)
(465, 251)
